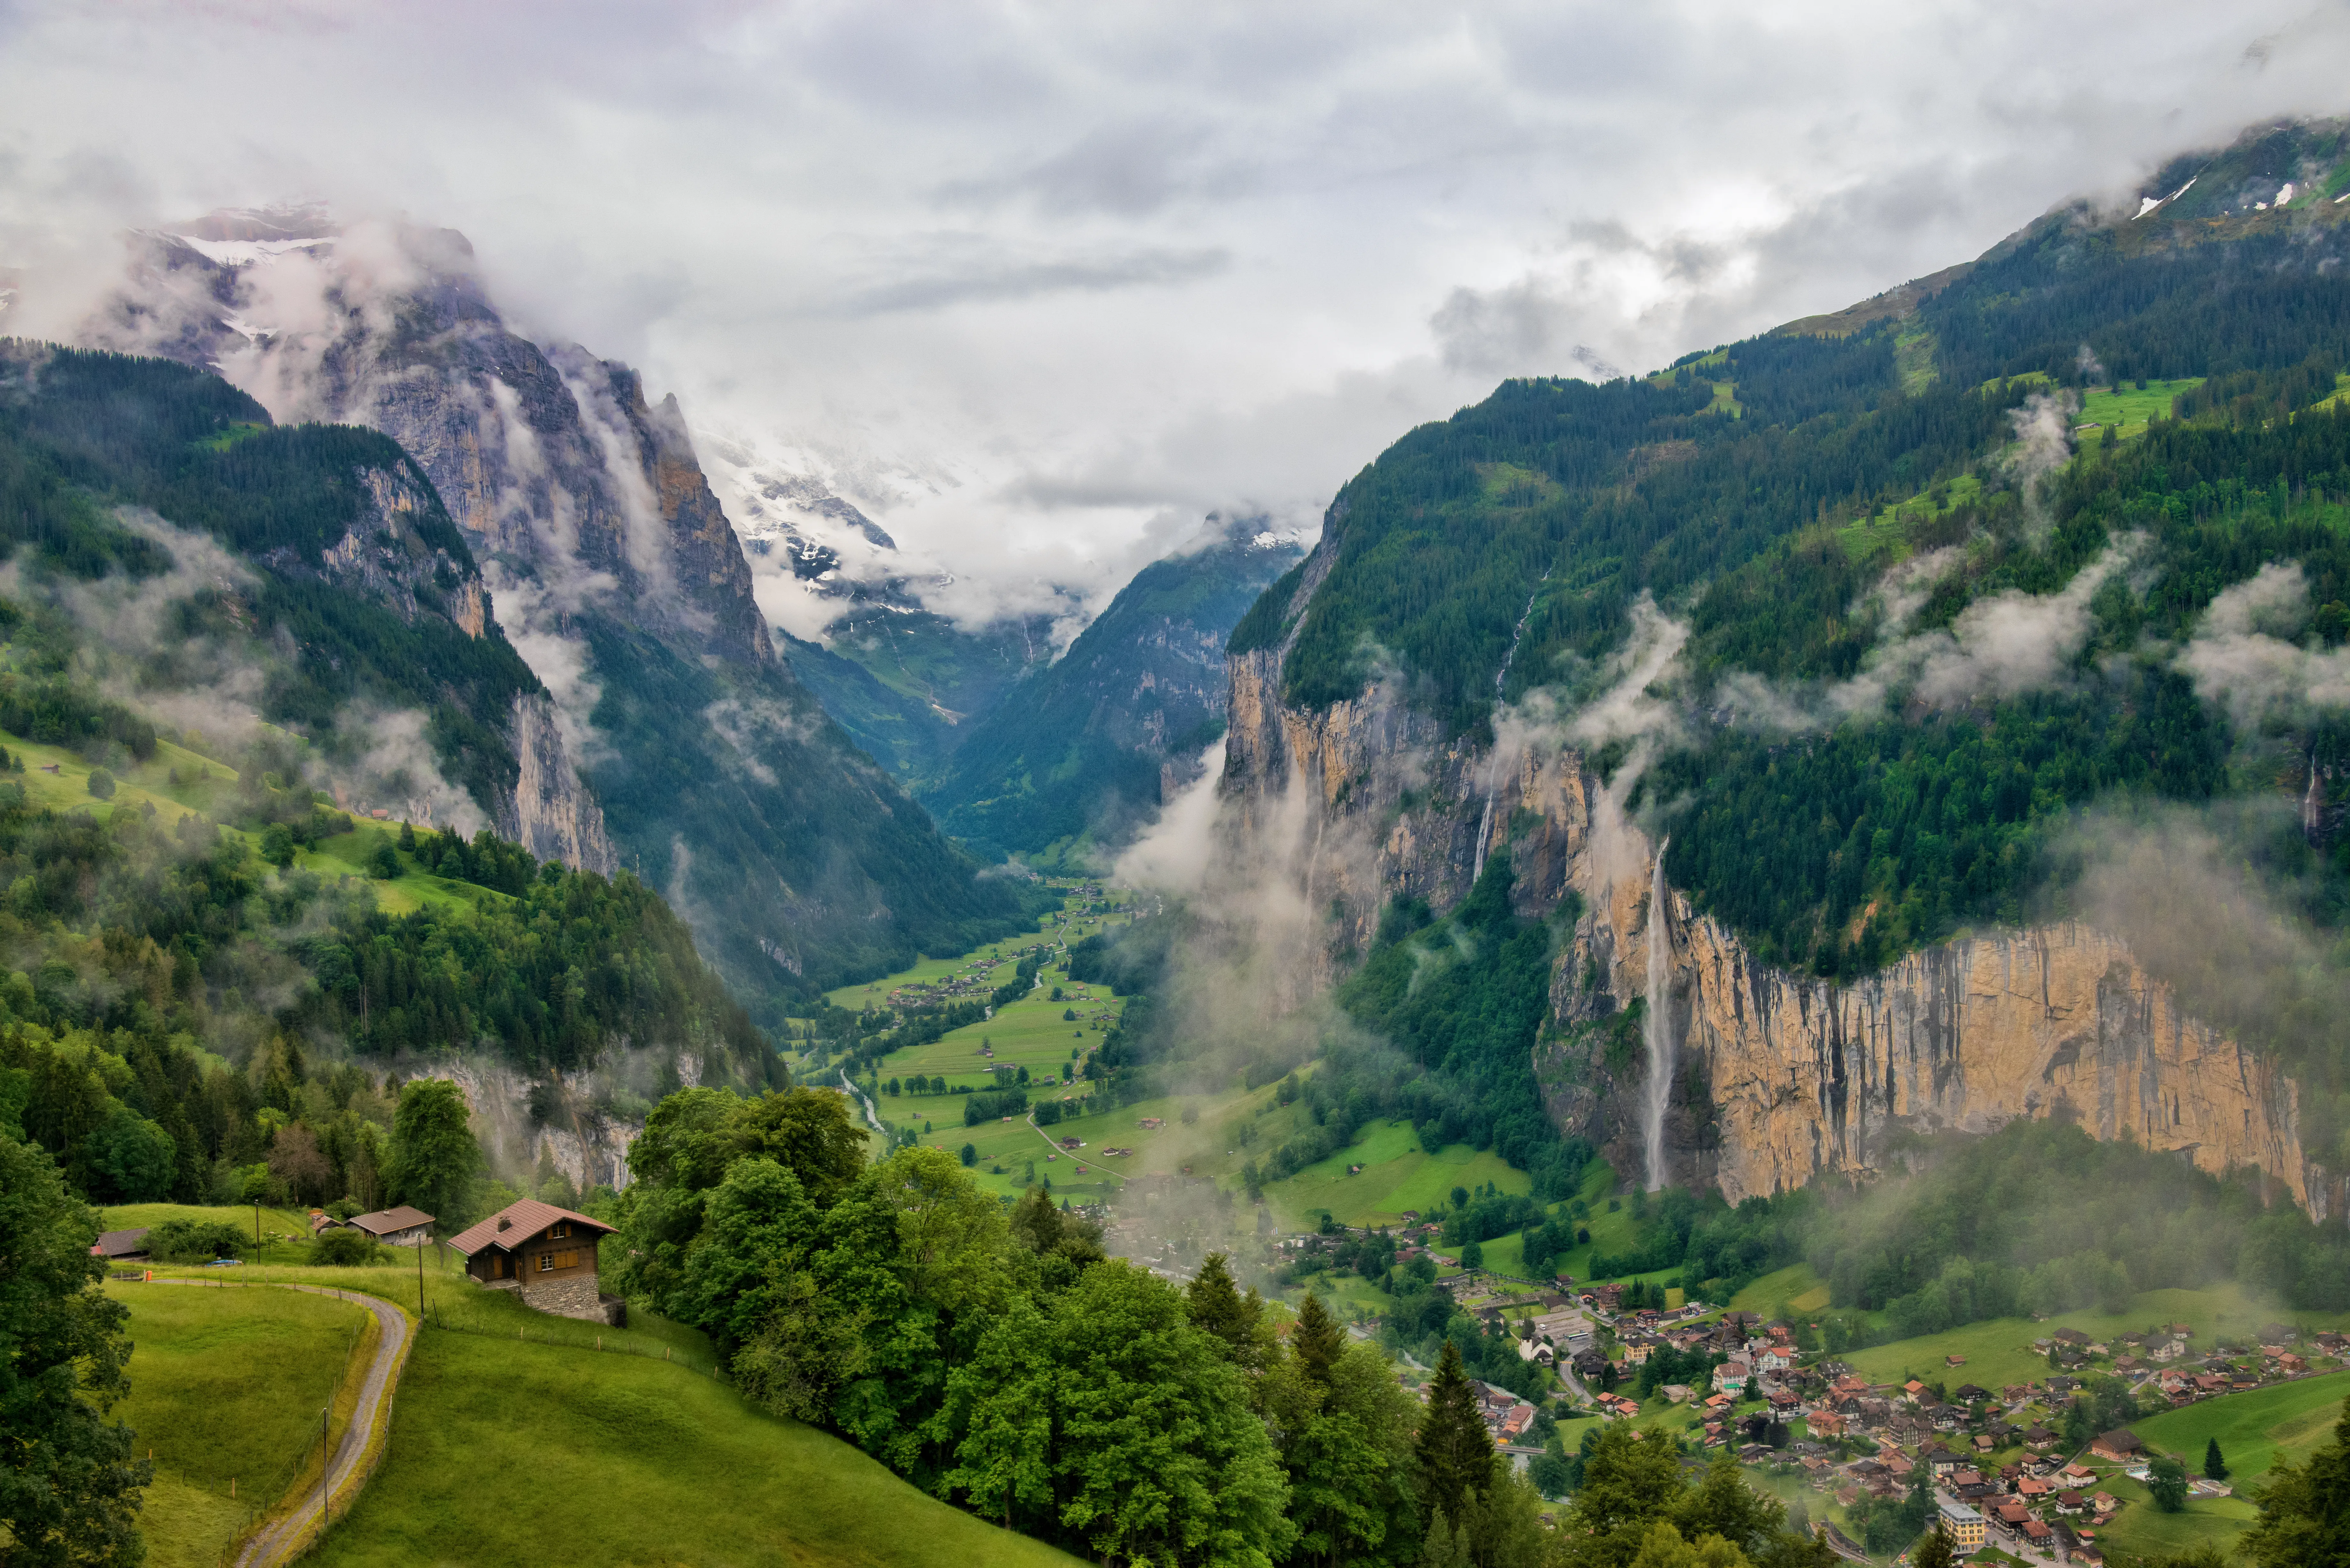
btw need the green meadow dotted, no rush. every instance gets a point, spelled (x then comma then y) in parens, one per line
(2127, 408)
(1999, 1351)
(225, 1389)
(516, 1452)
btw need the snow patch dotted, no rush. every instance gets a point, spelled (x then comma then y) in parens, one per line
(2147, 204)
(2284, 195)
(247, 253)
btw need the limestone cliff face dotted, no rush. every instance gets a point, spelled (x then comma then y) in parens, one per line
(1775, 1077)
(521, 1120)
(1779, 1077)
(551, 814)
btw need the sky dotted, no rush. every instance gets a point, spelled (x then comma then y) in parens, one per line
(1039, 287)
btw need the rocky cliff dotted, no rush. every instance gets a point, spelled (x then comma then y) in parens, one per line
(1773, 1077)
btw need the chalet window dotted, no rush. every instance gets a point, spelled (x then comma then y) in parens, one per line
(561, 1228)
(545, 1262)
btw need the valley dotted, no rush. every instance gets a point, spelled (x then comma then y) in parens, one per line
(1741, 966)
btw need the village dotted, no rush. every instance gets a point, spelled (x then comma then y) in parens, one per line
(2008, 1470)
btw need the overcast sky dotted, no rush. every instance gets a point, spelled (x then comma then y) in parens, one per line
(1038, 286)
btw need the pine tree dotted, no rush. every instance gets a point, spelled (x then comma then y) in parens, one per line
(1318, 1340)
(1934, 1552)
(1217, 1307)
(2214, 1466)
(1456, 1456)
(1442, 1546)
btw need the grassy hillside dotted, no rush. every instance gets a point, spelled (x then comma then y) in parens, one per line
(528, 1453)
(226, 1386)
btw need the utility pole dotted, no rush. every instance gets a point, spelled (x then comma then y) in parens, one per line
(420, 1284)
(256, 1221)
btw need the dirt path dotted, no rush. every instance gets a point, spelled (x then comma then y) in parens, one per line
(1073, 1154)
(297, 1522)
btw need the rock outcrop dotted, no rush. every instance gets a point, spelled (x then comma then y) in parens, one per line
(1777, 1077)
(551, 814)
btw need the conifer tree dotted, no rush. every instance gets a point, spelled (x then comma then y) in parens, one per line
(1456, 1456)
(1934, 1552)
(2214, 1466)
(1317, 1340)
(1217, 1308)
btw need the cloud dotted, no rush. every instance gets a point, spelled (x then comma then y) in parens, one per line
(2242, 655)
(1998, 646)
(1202, 258)
(998, 278)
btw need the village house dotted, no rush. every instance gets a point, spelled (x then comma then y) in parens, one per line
(1730, 1377)
(546, 1255)
(2121, 1446)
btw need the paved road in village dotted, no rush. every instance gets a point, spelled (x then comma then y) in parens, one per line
(277, 1541)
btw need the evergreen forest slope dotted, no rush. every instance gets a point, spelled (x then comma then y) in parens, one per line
(2036, 550)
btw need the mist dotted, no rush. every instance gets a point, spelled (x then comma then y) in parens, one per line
(1016, 282)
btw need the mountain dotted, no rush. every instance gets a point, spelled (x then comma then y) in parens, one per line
(1864, 707)
(219, 633)
(1087, 751)
(905, 683)
(668, 736)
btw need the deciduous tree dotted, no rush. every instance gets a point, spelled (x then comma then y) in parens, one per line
(69, 1488)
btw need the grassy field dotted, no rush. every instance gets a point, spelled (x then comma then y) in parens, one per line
(1795, 1286)
(1398, 1176)
(179, 783)
(2000, 1351)
(2129, 409)
(226, 1386)
(284, 1233)
(2254, 1430)
(453, 1303)
(526, 1453)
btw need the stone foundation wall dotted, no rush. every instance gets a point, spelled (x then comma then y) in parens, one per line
(572, 1297)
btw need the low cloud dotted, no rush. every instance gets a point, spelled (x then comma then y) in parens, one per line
(2243, 655)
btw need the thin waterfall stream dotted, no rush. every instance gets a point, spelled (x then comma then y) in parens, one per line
(1494, 762)
(1656, 1027)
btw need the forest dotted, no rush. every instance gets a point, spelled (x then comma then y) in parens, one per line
(1000, 1361)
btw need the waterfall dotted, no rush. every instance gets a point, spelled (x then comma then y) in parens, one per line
(1656, 1026)
(1494, 762)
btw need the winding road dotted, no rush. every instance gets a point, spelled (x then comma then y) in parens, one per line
(297, 1524)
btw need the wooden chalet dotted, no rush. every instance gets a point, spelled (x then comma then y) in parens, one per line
(545, 1254)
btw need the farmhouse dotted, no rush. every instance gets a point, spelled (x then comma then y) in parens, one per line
(401, 1226)
(547, 1255)
(121, 1246)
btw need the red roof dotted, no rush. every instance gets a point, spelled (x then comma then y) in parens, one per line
(521, 1220)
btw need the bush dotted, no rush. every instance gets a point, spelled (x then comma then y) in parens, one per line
(1068, 1015)
(101, 783)
(341, 1247)
(194, 1240)
(970, 1154)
